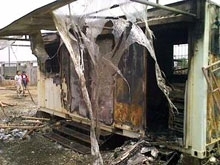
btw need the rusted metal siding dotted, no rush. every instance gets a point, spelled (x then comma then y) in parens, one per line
(130, 96)
(213, 78)
(120, 102)
(131, 115)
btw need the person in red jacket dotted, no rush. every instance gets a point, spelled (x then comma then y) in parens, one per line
(25, 80)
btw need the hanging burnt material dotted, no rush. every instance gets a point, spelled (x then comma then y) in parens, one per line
(73, 45)
(109, 60)
(52, 63)
(37, 47)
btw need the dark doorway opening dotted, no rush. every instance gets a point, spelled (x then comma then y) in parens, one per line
(171, 48)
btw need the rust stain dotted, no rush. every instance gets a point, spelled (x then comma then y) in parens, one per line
(136, 114)
(121, 113)
(130, 114)
(127, 109)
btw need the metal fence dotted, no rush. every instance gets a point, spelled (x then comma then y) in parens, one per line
(8, 70)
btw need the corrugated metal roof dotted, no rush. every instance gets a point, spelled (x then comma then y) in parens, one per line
(18, 9)
(40, 18)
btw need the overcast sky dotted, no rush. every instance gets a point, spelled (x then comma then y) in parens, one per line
(10, 10)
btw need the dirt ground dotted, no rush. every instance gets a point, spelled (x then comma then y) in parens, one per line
(36, 149)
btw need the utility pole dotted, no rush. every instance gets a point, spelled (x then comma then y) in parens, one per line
(9, 56)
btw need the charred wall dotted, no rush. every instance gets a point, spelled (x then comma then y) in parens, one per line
(52, 64)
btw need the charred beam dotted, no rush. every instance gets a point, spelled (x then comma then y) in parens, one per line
(164, 7)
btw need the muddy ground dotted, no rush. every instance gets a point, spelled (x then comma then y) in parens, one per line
(36, 149)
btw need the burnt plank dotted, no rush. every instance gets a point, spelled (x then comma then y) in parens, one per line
(68, 143)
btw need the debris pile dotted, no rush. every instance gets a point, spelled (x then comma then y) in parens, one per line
(143, 152)
(11, 135)
(15, 128)
(3, 105)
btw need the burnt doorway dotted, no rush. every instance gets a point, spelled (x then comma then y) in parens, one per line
(171, 48)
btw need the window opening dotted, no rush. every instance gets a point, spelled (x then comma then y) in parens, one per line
(180, 59)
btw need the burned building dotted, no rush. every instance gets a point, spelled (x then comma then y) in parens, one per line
(140, 73)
